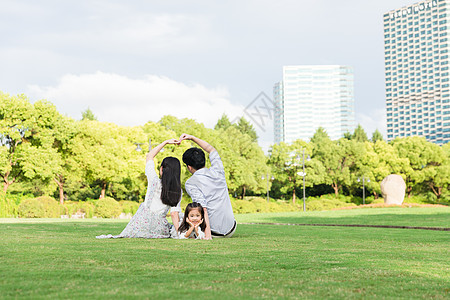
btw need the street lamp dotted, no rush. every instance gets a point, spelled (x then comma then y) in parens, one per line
(139, 149)
(272, 178)
(303, 174)
(364, 179)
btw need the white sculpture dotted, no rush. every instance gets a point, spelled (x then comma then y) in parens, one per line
(393, 189)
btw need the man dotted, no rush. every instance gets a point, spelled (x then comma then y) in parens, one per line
(209, 188)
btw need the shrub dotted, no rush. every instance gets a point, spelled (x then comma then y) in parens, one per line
(129, 207)
(326, 204)
(107, 208)
(419, 199)
(41, 207)
(51, 206)
(31, 208)
(8, 206)
(243, 207)
(377, 201)
(72, 207)
(261, 205)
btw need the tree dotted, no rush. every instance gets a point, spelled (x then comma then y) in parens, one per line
(359, 134)
(377, 136)
(223, 123)
(347, 135)
(247, 128)
(88, 115)
(286, 162)
(381, 160)
(27, 141)
(438, 172)
(62, 130)
(423, 158)
(243, 159)
(340, 159)
(319, 136)
(100, 151)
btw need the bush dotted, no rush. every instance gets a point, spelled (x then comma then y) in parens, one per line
(31, 208)
(51, 206)
(73, 207)
(418, 199)
(243, 207)
(41, 207)
(129, 207)
(326, 204)
(261, 205)
(107, 208)
(377, 201)
(8, 207)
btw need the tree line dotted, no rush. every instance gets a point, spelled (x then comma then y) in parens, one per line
(43, 152)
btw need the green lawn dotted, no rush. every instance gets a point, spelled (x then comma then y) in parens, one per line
(415, 216)
(62, 259)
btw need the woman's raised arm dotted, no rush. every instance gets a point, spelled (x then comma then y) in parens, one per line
(151, 155)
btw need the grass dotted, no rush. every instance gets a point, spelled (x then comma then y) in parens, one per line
(61, 259)
(415, 216)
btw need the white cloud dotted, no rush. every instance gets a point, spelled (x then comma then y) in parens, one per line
(127, 101)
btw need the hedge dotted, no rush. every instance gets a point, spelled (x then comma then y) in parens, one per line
(107, 208)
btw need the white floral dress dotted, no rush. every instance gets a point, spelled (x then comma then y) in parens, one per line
(150, 219)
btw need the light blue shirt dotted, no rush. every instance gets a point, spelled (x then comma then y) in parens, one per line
(209, 188)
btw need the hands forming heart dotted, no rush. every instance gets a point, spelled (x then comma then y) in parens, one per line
(183, 137)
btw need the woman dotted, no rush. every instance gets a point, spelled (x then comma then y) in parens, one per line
(162, 194)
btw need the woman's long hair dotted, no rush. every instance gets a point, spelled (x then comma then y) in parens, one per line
(170, 181)
(185, 225)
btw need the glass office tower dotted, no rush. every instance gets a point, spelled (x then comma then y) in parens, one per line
(310, 97)
(417, 71)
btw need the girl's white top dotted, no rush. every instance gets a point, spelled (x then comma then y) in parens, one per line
(200, 236)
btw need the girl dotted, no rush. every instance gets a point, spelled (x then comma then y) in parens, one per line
(162, 194)
(193, 225)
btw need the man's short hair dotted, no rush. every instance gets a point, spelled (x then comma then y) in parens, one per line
(194, 157)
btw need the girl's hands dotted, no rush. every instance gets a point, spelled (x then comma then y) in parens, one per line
(190, 223)
(197, 225)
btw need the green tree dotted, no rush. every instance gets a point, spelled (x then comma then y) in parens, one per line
(26, 134)
(88, 115)
(381, 160)
(247, 128)
(319, 136)
(223, 123)
(438, 171)
(243, 159)
(376, 136)
(423, 158)
(359, 134)
(101, 152)
(68, 169)
(340, 159)
(286, 162)
(347, 135)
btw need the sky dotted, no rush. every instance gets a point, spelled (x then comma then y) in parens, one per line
(135, 61)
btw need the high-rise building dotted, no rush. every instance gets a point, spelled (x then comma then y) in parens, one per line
(310, 97)
(416, 43)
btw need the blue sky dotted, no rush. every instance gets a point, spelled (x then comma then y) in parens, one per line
(135, 61)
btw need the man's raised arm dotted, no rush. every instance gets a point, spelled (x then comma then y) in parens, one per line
(204, 145)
